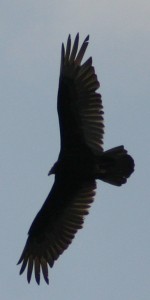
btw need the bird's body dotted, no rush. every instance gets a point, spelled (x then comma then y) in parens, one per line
(81, 161)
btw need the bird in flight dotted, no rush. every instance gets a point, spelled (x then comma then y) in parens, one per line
(80, 163)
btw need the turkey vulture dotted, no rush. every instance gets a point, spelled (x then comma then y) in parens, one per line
(81, 161)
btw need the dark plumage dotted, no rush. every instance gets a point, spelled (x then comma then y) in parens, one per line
(81, 161)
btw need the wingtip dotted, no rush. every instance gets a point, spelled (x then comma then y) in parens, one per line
(47, 280)
(69, 38)
(37, 278)
(20, 259)
(87, 38)
(18, 263)
(28, 279)
(77, 35)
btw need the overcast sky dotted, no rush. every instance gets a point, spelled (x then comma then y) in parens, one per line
(110, 257)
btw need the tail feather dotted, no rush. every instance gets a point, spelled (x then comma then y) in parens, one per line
(115, 166)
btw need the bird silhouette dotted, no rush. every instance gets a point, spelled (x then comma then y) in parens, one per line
(80, 163)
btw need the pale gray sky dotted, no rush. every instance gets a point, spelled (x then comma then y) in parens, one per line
(110, 258)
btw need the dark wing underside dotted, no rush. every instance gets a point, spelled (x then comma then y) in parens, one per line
(56, 224)
(81, 128)
(79, 105)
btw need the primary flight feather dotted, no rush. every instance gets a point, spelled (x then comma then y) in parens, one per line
(80, 162)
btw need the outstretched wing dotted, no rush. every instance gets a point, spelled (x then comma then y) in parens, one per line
(79, 105)
(55, 225)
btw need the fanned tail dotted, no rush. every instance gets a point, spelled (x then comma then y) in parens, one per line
(115, 166)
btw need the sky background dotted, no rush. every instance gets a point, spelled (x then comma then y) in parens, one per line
(110, 257)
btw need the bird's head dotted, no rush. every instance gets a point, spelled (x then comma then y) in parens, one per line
(54, 169)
